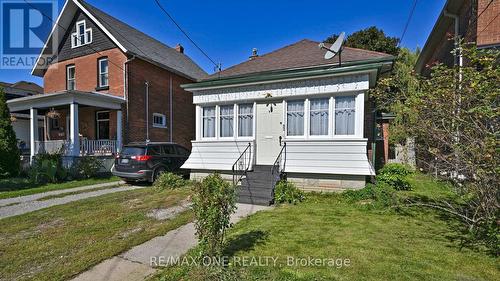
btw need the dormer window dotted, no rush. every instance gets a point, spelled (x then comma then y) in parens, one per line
(82, 36)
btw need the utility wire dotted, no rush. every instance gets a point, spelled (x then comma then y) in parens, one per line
(408, 22)
(489, 24)
(187, 36)
(477, 18)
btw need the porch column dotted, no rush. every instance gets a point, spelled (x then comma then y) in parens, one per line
(33, 131)
(119, 131)
(73, 130)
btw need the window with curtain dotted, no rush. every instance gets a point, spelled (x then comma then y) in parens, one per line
(226, 120)
(295, 118)
(209, 122)
(245, 120)
(345, 112)
(318, 117)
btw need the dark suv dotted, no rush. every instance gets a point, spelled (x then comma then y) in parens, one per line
(145, 161)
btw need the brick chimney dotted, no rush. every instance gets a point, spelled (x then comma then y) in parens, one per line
(254, 54)
(179, 48)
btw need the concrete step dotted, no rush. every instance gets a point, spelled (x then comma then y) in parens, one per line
(254, 200)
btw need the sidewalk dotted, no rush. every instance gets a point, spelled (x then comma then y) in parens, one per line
(25, 205)
(135, 264)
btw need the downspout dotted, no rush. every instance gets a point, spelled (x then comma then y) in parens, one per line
(147, 110)
(457, 61)
(125, 91)
(171, 111)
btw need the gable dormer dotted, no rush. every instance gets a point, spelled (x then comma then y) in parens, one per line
(83, 38)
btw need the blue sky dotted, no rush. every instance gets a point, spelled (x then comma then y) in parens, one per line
(228, 29)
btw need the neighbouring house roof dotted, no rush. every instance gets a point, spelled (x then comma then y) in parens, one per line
(304, 53)
(299, 60)
(438, 33)
(20, 89)
(130, 40)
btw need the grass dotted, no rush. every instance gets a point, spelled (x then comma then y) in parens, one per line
(380, 243)
(15, 187)
(76, 192)
(59, 242)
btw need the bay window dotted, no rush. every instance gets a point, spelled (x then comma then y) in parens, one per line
(226, 120)
(318, 117)
(245, 120)
(209, 122)
(345, 111)
(295, 118)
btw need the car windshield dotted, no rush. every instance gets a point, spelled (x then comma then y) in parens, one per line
(133, 150)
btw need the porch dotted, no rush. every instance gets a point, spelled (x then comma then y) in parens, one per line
(75, 123)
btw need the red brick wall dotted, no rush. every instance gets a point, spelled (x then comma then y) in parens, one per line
(159, 102)
(488, 25)
(54, 79)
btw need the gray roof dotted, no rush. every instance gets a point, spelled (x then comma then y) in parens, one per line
(144, 46)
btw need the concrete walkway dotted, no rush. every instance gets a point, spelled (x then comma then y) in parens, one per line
(136, 264)
(33, 197)
(33, 205)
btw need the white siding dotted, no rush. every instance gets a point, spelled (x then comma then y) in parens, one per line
(343, 157)
(216, 155)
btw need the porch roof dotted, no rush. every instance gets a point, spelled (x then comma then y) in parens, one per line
(65, 98)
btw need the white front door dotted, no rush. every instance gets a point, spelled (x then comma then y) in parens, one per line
(269, 129)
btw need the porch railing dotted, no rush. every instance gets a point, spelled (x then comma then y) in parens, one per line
(87, 147)
(242, 164)
(278, 168)
(52, 146)
(97, 147)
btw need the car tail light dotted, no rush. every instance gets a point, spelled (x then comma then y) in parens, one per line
(141, 157)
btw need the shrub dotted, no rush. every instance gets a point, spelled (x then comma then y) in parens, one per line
(287, 192)
(395, 175)
(214, 200)
(168, 180)
(9, 160)
(47, 168)
(382, 194)
(86, 167)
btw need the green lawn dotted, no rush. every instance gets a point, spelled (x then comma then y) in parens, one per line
(59, 242)
(380, 243)
(15, 187)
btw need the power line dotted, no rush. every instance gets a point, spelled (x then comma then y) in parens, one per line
(408, 22)
(477, 18)
(488, 24)
(187, 36)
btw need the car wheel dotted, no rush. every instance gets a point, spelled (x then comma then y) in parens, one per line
(158, 172)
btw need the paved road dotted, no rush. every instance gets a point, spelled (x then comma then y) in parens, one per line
(30, 206)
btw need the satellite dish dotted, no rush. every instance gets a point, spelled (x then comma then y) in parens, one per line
(335, 49)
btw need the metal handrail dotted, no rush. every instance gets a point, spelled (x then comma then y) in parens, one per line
(277, 169)
(242, 164)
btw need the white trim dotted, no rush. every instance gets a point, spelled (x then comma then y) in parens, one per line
(218, 120)
(77, 35)
(164, 120)
(100, 72)
(69, 66)
(202, 136)
(100, 26)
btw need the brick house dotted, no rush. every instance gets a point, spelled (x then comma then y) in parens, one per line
(107, 84)
(474, 21)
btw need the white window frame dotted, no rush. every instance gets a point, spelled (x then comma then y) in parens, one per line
(101, 72)
(163, 125)
(358, 121)
(71, 66)
(285, 121)
(237, 108)
(87, 35)
(216, 116)
(219, 120)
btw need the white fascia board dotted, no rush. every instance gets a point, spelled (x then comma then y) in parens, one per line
(100, 25)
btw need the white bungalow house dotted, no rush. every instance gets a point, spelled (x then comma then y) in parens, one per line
(289, 112)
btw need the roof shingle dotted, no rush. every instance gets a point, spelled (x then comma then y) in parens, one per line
(302, 54)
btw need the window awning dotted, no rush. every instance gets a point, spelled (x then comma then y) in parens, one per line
(65, 98)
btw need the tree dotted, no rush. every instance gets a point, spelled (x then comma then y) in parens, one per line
(372, 39)
(9, 153)
(454, 117)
